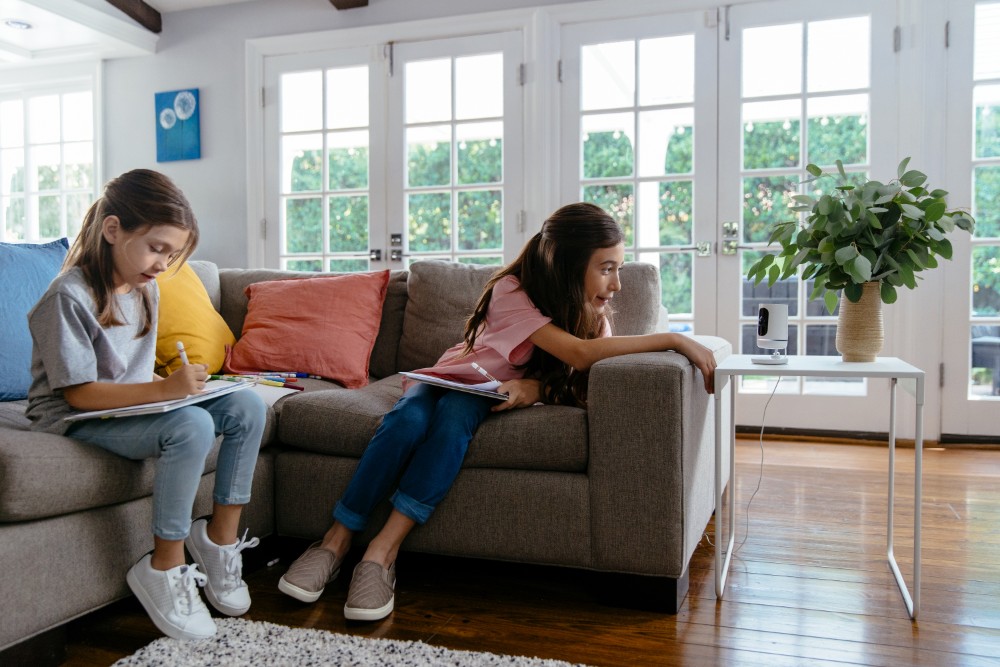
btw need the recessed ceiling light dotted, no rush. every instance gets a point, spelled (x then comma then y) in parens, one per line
(17, 24)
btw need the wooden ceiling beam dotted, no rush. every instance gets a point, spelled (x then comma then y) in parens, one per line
(348, 4)
(142, 13)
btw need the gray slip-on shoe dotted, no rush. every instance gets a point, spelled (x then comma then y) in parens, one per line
(310, 573)
(371, 595)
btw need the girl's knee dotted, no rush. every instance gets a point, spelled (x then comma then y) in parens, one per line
(192, 428)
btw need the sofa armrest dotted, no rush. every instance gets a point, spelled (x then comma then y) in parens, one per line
(651, 460)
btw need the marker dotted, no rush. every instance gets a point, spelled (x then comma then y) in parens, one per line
(184, 356)
(482, 371)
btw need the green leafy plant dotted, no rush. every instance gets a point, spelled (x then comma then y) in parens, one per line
(872, 232)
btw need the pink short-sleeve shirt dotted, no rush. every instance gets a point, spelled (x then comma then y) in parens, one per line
(504, 343)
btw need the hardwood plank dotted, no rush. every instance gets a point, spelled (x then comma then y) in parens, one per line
(809, 586)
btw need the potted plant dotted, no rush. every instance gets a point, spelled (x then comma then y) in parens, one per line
(863, 241)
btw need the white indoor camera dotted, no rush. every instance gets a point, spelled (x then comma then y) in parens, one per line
(772, 332)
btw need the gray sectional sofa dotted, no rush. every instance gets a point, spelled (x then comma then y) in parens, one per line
(623, 487)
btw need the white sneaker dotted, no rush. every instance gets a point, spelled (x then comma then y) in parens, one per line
(223, 565)
(171, 599)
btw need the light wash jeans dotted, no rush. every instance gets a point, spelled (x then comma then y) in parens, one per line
(421, 442)
(182, 439)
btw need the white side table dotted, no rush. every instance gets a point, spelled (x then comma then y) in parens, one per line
(798, 366)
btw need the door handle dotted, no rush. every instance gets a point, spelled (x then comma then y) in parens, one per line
(730, 247)
(702, 248)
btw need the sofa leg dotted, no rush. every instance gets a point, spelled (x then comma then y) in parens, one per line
(661, 594)
(43, 650)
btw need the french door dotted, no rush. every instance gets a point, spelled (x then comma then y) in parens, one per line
(971, 383)
(695, 130)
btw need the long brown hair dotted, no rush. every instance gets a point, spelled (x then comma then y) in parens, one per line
(551, 269)
(140, 198)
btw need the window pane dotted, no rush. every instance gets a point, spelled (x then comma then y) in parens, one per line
(782, 291)
(12, 170)
(838, 130)
(11, 123)
(301, 163)
(429, 216)
(984, 379)
(348, 160)
(833, 67)
(766, 201)
(49, 226)
(618, 201)
(14, 220)
(481, 260)
(771, 134)
(772, 60)
(480, 152)
(43, 116)
(304, 225)
(301, 101)
(479, 86)
(349, 265)
(986, 101)
(986, 281)
(987, 213)
(428, 91)
(428, 155)
(672, 84)
(349, 224)
(607, 75)
(665, 216)
(78, 164)
(346, 97)
(986, 58)
(78, 116)
(315, 265)
(675, 282)
(46, 163)
(666, 142)
(76, 208)
(480, 223)
(608, 146)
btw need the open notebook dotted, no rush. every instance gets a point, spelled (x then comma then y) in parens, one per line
(213, 389)
(481, 389)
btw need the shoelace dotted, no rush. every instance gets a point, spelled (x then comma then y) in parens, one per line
(188, 582)
(234, 560)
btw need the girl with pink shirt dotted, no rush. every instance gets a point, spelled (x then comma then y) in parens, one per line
(540, 324)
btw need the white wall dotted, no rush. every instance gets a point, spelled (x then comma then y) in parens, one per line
(204, 49)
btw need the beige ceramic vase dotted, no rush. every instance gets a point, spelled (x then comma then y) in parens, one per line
(859, 328)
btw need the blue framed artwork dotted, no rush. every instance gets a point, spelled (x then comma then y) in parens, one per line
(178, 132)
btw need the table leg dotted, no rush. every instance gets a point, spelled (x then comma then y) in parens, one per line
(722, 568)
(911, 603)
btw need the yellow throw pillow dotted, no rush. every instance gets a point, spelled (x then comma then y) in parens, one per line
(187, 315)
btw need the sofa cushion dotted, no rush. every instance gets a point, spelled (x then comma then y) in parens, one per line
(25, 273)
(187, 315)
(323, 326)
(542, 437)
(34, 464)
(233, 306)
(441, 296)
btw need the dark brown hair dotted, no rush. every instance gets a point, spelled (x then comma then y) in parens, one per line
(551, 269)
(139, 199)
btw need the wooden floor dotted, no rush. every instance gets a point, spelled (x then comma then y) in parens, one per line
(809, 586)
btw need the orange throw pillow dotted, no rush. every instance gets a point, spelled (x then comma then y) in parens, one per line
(323, 326)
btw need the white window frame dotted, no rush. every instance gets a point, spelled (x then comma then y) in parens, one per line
(36, 81)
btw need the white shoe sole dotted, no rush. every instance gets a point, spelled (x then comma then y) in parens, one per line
(300, 594)
(164, 626)
(354, 614)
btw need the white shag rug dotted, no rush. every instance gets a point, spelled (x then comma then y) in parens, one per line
(240, 642)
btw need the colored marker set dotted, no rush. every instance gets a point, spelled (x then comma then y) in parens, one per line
(261, 378)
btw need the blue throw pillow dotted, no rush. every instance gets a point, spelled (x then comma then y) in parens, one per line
(25, 273)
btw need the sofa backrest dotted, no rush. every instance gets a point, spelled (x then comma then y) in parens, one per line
(441, 296)
(426, 307)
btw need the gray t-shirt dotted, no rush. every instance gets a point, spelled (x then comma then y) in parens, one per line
(71, 348)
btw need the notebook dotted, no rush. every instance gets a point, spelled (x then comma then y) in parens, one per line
(213, 389)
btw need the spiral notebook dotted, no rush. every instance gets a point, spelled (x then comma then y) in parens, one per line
(482, 389)
(213, 389)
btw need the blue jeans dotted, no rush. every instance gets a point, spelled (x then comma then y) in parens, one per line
(182, 439)
(421, 442)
